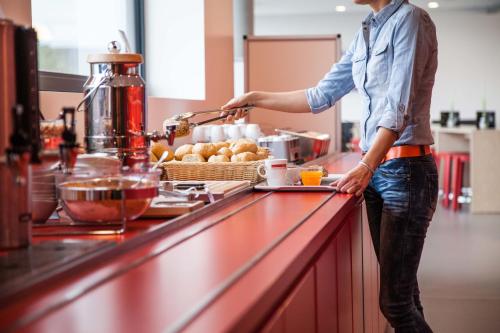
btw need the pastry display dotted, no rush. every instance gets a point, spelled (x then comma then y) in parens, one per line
(262, 153)
(222, 144)
(193, 158)
(243, 147)
(157, 150)
(244, 157)
(242, 150)
(183, 150)
(218, 159)
(204, 149)
(225, 151)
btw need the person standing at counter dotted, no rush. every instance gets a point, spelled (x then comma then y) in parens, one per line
(392, 62)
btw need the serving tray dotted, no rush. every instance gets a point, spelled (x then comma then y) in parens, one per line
(295, 188)
(324, 187)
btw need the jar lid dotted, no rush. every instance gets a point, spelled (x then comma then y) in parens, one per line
(115, 58)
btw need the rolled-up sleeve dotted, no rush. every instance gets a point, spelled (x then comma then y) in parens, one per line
(336, 83)
(398, 99)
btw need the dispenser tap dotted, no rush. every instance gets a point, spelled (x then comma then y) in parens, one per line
(69, 148)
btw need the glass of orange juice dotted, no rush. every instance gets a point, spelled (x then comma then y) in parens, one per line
(311, 176)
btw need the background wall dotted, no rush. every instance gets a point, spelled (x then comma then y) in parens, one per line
(469, 54)
(17, 10)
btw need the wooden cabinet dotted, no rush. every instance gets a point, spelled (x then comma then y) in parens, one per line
(339, 292)
(344, 280)
(297, 314)
(326, 286)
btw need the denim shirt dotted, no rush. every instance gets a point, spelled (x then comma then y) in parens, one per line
(392, 62)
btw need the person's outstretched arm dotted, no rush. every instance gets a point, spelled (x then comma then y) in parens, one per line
(291, 101)
(336, 83)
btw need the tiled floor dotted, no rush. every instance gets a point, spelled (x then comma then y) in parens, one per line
(460, 273)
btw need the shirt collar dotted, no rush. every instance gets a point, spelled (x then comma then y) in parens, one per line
(382, 16)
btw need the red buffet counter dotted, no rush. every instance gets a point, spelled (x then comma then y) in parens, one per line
(272, 262)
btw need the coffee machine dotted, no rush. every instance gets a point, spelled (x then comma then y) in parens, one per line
(19, 131)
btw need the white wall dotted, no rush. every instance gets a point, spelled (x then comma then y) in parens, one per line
(469, 54)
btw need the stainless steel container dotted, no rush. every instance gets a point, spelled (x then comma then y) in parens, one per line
(115, 106)
(283, 146)
(312, 144)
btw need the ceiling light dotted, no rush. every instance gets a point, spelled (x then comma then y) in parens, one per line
(340, 9)
(433, 5)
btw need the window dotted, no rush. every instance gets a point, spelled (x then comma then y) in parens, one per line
(175, 48)
(69, 30)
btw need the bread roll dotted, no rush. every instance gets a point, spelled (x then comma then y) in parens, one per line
(225, 151)
(218, 159)
(262, 153)
(233, 143)
(244, 140)
(157, 149)
(153, 158)
(204, 149)
(183, 150)
(193, 158)
(244, 157)
(219, 145)
(244, 147)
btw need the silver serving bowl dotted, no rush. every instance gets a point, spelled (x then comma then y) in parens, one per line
(108, 199)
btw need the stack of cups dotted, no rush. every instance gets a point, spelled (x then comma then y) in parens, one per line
(217, 133)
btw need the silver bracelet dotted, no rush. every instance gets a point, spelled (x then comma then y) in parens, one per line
(367, 167)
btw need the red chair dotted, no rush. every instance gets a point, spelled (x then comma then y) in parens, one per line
(459, 161)
(453, 175)
(446, 158)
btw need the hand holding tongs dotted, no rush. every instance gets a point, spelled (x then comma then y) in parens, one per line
(189, 115)
(179, 125)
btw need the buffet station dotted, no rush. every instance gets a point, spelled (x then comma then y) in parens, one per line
(123, 230)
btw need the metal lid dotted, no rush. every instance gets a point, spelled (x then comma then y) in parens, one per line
(115, 58)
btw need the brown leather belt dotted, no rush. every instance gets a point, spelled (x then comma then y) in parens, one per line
(406, 151)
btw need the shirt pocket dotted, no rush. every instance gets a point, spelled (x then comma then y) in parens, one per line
(358, 65)
(379, 63)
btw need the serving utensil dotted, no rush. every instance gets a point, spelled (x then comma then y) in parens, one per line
(155, 166)
(179, 125)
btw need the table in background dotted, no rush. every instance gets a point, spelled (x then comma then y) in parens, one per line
(484, 149)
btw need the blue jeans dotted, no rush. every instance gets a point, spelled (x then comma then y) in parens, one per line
(401, 199)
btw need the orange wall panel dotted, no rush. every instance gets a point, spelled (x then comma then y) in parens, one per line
(291, 63)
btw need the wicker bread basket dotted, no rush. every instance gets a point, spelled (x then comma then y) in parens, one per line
(200, 171)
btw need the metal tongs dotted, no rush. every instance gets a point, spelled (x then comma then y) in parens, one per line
(179, 125)
(189, 115)
(191, 192)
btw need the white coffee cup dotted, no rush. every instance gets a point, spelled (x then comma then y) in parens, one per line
(242, 127)
(225, 128)
(275, 172)
(252, 131)
(200, 134)
(217, 133)
(234, 132)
